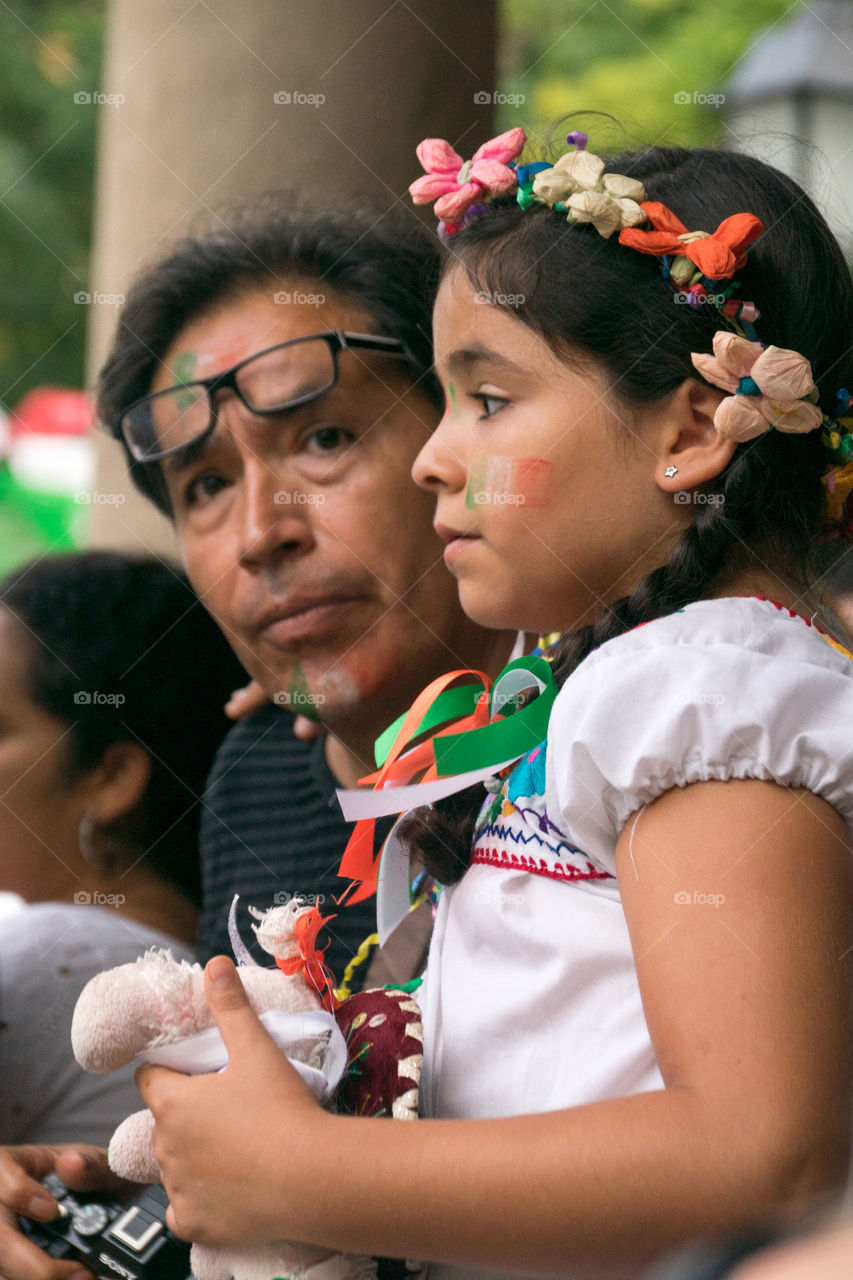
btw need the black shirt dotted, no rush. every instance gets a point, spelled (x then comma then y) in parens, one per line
(271, 825)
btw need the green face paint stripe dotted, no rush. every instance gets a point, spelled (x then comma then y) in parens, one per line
(477, 484)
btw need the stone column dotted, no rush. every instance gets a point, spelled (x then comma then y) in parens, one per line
(211, 100)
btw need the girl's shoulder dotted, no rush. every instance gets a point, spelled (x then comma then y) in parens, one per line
(754, 623)
(737, 687)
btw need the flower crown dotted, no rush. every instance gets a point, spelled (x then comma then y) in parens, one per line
(769, 387)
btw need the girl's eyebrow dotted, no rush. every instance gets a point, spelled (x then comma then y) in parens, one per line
(463, 358)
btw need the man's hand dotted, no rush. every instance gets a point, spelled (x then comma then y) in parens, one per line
(246, 701)
(21, 1170)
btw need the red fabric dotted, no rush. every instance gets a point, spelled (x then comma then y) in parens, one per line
(380, 1032)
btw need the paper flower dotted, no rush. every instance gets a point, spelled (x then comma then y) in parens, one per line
(578, 183)
(716, 254)
(772, 386)
(455, 184)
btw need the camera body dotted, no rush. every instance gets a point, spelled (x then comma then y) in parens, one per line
(115, 1241)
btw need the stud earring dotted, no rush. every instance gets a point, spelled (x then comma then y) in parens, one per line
(671, 471)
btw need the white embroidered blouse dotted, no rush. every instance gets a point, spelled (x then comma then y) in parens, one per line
(531, 1001)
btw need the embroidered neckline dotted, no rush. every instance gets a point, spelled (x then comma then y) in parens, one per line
(792, 613)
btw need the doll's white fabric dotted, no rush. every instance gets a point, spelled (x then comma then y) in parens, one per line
(155, 1010)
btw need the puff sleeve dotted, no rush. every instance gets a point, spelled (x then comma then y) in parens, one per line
(669, 704)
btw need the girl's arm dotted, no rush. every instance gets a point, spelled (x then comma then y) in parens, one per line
(739, 902)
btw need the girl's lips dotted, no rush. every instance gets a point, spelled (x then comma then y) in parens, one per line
(458, 545)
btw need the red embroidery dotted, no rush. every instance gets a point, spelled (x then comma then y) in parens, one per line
(791, 612)
(537, 866)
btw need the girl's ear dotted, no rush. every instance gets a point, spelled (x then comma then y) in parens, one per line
(688, 440)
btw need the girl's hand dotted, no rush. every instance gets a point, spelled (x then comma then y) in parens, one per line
(233, 1146)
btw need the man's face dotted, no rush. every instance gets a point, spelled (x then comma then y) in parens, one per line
(303, 532)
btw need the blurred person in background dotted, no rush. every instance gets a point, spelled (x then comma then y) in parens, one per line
(112, 680)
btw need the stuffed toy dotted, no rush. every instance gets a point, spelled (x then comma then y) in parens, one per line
(154, 1010)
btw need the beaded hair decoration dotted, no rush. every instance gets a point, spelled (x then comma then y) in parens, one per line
(768, 387)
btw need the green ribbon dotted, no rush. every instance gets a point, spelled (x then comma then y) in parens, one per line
(510, 736)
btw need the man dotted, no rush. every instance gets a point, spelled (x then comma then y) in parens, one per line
(286, 471)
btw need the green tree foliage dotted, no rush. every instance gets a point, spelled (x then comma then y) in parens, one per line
(630, 58)
(50, 50)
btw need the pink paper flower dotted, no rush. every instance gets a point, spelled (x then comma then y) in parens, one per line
(455, 184)
(784, 392)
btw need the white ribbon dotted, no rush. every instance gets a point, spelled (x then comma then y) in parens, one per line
(205, 1051)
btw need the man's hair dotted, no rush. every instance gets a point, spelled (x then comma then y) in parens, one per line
(385, 261)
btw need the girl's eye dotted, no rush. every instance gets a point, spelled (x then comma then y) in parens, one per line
(202, 488)
(328, 439)
(491, 404)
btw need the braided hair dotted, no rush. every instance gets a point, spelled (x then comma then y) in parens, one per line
(583, 294)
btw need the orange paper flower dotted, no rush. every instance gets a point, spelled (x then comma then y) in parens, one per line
(717, 254)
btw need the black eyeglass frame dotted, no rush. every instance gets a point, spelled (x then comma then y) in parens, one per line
(337, 340)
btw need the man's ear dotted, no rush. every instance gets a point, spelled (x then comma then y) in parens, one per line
(688, 440)
(118, 783)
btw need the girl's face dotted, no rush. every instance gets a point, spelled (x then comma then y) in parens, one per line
(547, 500)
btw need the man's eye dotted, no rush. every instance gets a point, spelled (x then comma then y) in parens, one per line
(202, 488)
(491, 404)
(328, 439)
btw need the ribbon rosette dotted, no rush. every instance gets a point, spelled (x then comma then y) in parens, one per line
(772, 386)
(455, 184)
(483, 731)
(310, 959)
(716, 254)
(578, 184)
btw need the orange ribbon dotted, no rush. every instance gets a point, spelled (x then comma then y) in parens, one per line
(359, 862)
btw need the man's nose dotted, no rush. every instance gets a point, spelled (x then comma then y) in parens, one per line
(273, 524)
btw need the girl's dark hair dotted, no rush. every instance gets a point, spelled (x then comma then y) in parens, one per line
(119, 649)
(385, 261)
(587, 296)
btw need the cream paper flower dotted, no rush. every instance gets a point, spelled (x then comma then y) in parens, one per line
(610, 201)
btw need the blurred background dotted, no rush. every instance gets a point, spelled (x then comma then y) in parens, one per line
(120, 124)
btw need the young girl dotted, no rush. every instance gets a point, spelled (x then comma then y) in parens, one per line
(637, 1003)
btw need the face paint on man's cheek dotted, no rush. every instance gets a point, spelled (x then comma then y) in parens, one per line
(510, 482)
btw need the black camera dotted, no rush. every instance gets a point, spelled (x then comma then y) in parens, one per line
(115, 1241)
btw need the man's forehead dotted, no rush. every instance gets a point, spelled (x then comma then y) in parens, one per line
(244, 325)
